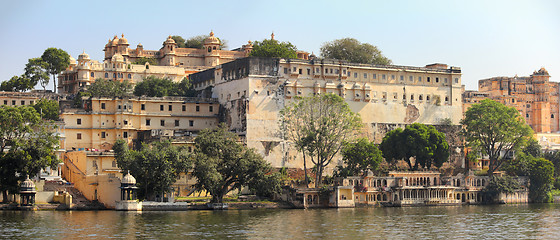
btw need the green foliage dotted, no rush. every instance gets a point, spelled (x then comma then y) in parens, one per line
(17, 84)
(318, 126)
(180, 41)
(57, 60)
(36, 70)
(160, 87)
(519, 166)
(352, 50)
(109, 88)
(554, 157)
(491, 128)
(222, 164)
(541, 175)
(359, 157)
(144, 60)
(425, 143)
(198, 42)
(27, 145)
(533, 148)
(274, 49)
(47, 108)
(497, 185)
(156, 166)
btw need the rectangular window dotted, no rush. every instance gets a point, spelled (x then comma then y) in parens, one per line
(125, 122)
(355, 75)
(22, 102)
(402, 78)
(79, 121)
(103, 134)
(317, 70)
(349, 74)
(428, 79)
(456, 80)
(31, 102)
(437, 80)
(191, 123)
(294, 69)
(337, 71)
(365, 75)
(445, 80)
(162, 122)
(119, 107)
(184, 108)
(419, 79)
(211, 108)
(308, 71)
(300, 71)
(285, 71)
(5, 102)
(331, 70)
(125, 134)
(410, 78)
(326, 70)
(148, 122)
(79, 136)
(374, 76)
(198, 108)
(170, 107)
(13, 102)
(176, 123)
(392, 77)
(143, 107)
(102, 105)
(161, 107)
(344, 71)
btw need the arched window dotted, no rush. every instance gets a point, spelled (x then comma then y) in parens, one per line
(129, 76)
(209, 49)
(420, 97)
(114, 75)
(106, 75)
(551, 115)
(92, 74)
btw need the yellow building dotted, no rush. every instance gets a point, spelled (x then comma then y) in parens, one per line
(252, 91)
(120, 62)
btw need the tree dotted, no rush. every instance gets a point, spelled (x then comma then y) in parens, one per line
(36, 72)
(359, 157)
(222, 164)
(17, 84)
(424, 143)
(318, 125)
(144, 60)
(26, 146)
(156, 166)
(497, 185)
(160, 87)
(496, 130)
(57, 60)
(109, 88)
(48, 109)
(518, 166)
(533, 148)
(541, 175)
(352, 50)
(180, 41)
(274, 49)
(198, 42)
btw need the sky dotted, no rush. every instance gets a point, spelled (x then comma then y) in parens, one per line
(484, 38)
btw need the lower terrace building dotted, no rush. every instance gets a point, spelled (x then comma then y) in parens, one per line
(252, 91)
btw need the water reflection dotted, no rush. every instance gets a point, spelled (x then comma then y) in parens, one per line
(458, 222)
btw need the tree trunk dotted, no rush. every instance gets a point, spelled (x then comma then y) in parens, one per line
(54, 82)
(5, 196)
(305, 170)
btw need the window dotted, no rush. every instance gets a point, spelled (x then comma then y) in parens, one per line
(330, 70)
(427, 97)
(552, 116)
(294, 69)
(411, 97)
(437, 80)
(125, 122)
(392, 77)
(129, 76)
(456, 80)
(161, 107)
(79, 121)
(31, 102)
(365, 75)
(285, 71)
(355, 75)
(211, 108)
(119, 106)
(148, 122)
(317, 70)
(143, 107)
(184, 108)
(13, 102)
(300, 71)
(114, 75)
(410, 78)
(191, 123)
(383, 77)
(419, 79)
(527, 115)
(22, 102)
(308, 71)
(374, 76)
(5, 102)
(445, 80)
(198, 108)
(114, 163)
(102, 105)
(447, 99)
(170, 107)
(420, 97)
(92, 74)
(79, 136)
(349, 74)
(162, 122)
(402, 78)
(428, 79)
(103, 134)
(344, 71)
(106, 75)
(176, 123)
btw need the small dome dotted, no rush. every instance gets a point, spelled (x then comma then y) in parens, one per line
(139, 45)
(169, 40)
(72, 61)
(27, 186)
(123, 40)
(211, 39)
(117, 58)
(83, 56)
(128, 179)
(115, 41)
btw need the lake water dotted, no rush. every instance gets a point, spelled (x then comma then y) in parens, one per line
(536, 221)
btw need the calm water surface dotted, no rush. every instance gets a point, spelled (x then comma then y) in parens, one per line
(458, 222)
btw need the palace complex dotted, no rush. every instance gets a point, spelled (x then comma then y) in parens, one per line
(247, 94)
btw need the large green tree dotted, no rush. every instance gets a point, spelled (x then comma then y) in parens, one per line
(223, 164)
(156, 166)
(352, 50)
(198, 42)
(47, 108)
(318, 126)
(541, 175)
(423, 143)
(495, 130)
(57, 60)
(27, 145)
(359, 157)
(159, 87)
(17, 84)
(36, 70)
(180, 41)
(273, 48)
(109, 88)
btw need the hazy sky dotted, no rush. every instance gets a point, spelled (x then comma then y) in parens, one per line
(484, 38)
